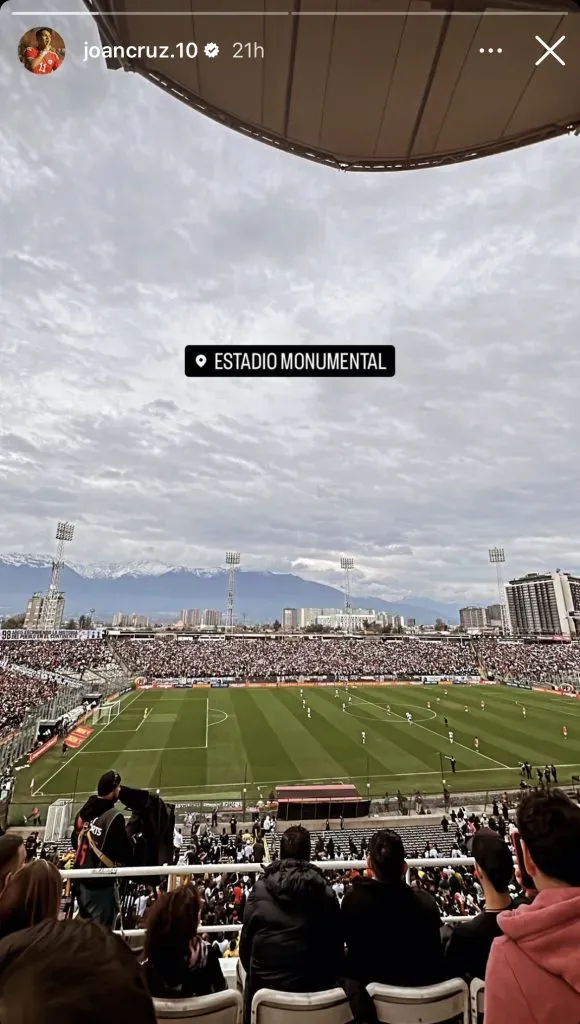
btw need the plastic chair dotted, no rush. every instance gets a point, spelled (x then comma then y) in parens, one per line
(328, 1007)
(476, 996)
(429, 1004)
(218, 1008)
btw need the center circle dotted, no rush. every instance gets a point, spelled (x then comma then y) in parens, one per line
(396, 717)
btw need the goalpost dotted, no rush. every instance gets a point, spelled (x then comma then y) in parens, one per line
(107, 712)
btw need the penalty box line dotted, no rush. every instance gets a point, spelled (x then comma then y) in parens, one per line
(81, 750)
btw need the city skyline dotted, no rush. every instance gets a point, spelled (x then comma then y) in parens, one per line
(157, 226)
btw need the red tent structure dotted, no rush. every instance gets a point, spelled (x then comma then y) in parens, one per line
(362, 85)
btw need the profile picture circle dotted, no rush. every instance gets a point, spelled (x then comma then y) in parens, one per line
(41, 50)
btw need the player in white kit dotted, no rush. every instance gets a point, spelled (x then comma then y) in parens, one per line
(409, 717)
(309, 715)
(364, 737)
(450, 735)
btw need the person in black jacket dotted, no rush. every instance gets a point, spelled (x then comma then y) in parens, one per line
(392, 931)
(100, 839)
(291, 937)
(467, 946)
(178, 963)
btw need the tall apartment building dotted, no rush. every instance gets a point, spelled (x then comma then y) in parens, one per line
(194, 617)
(33, 614)
(131, 621)
(544, 604)
(289, 619)
(494, 616)
(33, 611)
(472, 618)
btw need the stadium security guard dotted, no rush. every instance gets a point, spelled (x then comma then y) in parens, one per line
(101, 841)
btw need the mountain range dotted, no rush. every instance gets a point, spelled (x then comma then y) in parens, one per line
(161, 591)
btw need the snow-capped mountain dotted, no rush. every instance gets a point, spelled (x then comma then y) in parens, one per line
(159, 590)
(106, 571)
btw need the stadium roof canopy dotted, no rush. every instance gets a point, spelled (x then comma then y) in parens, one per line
(404, 85)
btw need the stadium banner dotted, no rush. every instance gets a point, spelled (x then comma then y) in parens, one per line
(520, 685)
(78, 736)
(219, 683)
(42, 750)
(51, 634)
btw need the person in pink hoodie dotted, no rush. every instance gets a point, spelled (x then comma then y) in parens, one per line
(533, 972)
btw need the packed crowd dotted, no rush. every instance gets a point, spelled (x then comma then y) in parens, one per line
(74, 656)
(18, 695)
(305, 932)
(268, 657)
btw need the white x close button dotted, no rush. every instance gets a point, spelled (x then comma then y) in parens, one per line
(550, 49)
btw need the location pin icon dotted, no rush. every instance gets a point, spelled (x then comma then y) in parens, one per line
(200, 360)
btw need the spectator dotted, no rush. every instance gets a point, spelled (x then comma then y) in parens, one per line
(533, 973)
(291, 938)
(391, 930)
(100, 839)
(178, 962)
(12, 857)
(467, 950)
(71, 971)
(31, 896)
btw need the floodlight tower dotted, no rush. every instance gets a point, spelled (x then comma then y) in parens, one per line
(232, 562)
(48, 616)
(347, 565)
(497, 558)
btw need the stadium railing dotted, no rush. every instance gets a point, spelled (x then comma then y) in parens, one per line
(173, 871)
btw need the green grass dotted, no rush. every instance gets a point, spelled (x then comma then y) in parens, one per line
(205, 744)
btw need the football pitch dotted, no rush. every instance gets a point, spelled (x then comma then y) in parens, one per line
(213, 743)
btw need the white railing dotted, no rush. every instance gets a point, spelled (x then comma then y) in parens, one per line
(182, 870)
(249, 868)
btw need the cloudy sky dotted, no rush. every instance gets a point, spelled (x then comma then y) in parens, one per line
(132, 225)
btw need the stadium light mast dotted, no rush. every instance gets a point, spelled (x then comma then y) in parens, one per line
(497, 558)
(232, 563)
(48, 616)
(347, 565)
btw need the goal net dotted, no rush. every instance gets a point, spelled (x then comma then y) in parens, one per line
(106, 712)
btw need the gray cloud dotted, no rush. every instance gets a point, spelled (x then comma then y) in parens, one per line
(133, 225)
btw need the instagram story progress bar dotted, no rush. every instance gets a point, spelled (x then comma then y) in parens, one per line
(290, 361)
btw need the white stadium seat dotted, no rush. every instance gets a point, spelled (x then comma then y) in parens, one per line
(328, 1007)
(476, 995)
(219, 1008)
(431, 1004)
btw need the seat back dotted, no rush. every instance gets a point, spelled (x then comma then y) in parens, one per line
(328, 1007)
(430, 1004)
(476, 995)
(219, 1008)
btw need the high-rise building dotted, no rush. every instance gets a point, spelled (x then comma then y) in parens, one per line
(494, 616)
(195, 617)
(544, 604)
(33, 611)
(472, 618)
(289, 619)
(130, 621)
(34, 617)
(398, 621)
(191, 616)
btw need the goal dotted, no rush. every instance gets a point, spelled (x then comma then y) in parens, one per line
(106, 712)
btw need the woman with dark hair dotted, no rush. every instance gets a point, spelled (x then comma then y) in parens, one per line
(178, 963)
(32, 895)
